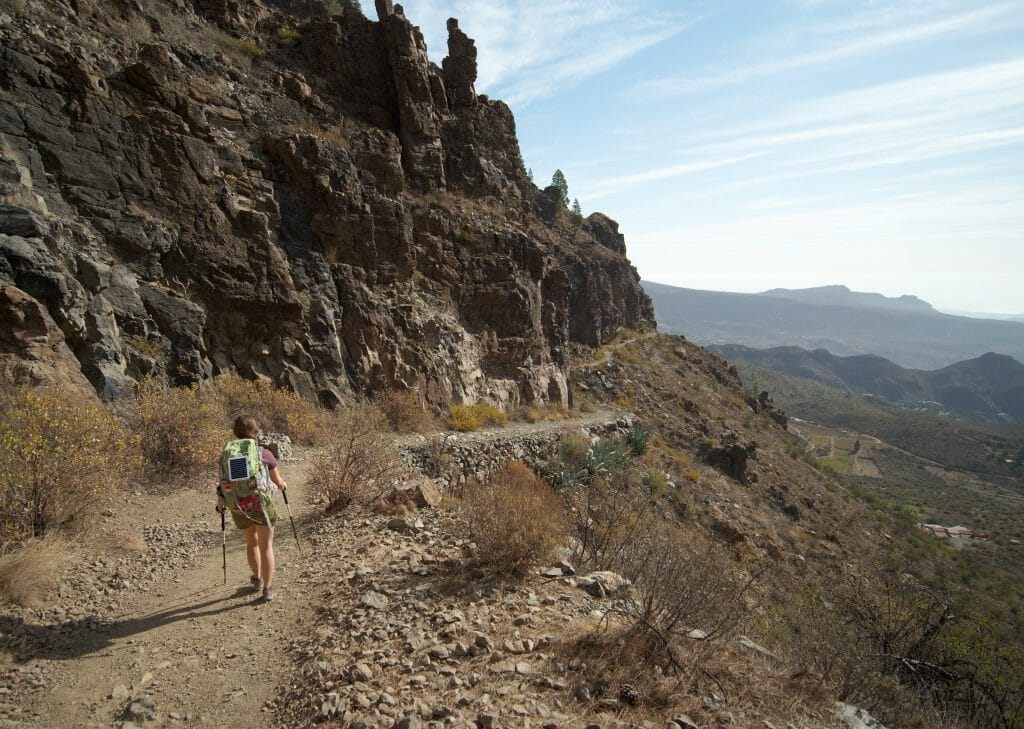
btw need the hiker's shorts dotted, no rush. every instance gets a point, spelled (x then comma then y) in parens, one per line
(246, 519)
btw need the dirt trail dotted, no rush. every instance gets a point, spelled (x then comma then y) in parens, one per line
(207, 653)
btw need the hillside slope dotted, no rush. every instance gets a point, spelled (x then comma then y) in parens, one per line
(910, 339)
(989, 387)
(190, 188)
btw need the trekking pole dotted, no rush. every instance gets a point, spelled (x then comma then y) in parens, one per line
(223, 546)
(295, 532)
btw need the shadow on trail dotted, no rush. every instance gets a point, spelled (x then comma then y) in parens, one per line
(78, 638)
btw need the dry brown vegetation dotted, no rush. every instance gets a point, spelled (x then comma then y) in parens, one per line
(515, 519)
(404, 411)
(180, 430)
(60, 454)
(31, 568)
(357, 465)
(278, 410)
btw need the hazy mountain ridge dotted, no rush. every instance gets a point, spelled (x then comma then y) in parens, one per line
(921, 340)
(990, 387)
(838, 295)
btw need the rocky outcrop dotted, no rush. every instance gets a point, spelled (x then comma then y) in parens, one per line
(188, 189)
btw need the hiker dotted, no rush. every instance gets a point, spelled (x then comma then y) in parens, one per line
(255, 515)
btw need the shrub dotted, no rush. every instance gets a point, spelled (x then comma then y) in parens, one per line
(680, 582)
(636, 440)
(573, 447)
(60, 453)
(278, 410)
(180, 430)
(358, 465)
(29, 569)
(515, 518)
(472, 417)
(248, 48)
(288, 36)
(404, 411)
(692, 475)
(609, 514)
(656, 482)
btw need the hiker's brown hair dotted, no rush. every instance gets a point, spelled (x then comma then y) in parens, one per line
(246, 426)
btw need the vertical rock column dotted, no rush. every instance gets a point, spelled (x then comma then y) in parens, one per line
(421, 98)
(459, 67)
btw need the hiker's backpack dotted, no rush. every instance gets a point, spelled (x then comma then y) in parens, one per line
(246, 479)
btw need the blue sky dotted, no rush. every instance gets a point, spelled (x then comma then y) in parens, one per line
(748, 145)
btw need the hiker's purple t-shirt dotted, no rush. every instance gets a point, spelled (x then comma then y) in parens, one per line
(268, 459)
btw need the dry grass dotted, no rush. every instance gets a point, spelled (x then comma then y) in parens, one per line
(536, 413)
(404, 411)
(358, 465)
(28, 571)
(516, 520)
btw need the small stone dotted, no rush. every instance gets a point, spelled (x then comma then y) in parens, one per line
(682, 721)
(361, 672)
(486, 721)
(120, 692)
(375, 600)
(143, 708)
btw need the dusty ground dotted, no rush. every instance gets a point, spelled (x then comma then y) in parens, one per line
(206, 653)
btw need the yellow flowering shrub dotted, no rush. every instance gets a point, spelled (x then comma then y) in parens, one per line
(60, 453)
(472, 417)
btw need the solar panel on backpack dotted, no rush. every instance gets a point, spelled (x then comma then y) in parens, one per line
(238, 468)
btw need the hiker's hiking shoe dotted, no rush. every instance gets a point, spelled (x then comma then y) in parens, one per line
(257, 583)
(269, 594)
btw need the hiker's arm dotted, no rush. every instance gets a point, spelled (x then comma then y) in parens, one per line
(275, 476)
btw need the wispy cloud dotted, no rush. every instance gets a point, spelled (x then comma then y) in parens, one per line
(532, 48)
(928, 117)
(611, 185)
(863, 45)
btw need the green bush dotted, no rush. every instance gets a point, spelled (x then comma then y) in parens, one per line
(656, 483)
(60, 453)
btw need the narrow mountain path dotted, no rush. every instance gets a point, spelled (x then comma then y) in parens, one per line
(151, 635)
(193, 649)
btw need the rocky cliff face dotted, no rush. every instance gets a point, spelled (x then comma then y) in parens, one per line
(190, 188)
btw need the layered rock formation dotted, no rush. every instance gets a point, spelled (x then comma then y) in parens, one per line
(194, 188)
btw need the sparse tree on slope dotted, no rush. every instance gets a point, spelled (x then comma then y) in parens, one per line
(558, 190)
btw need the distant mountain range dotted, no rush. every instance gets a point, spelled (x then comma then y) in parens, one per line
(842, 296)
(905, 330)
(990, 387)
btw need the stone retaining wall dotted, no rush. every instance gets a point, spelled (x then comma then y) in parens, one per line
(453, 458)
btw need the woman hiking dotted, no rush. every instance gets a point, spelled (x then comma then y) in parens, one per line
(244, 489)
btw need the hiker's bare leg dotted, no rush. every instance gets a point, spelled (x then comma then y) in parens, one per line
(265, 535)
(252, 549)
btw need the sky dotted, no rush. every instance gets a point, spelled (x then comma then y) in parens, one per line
(744, 146)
